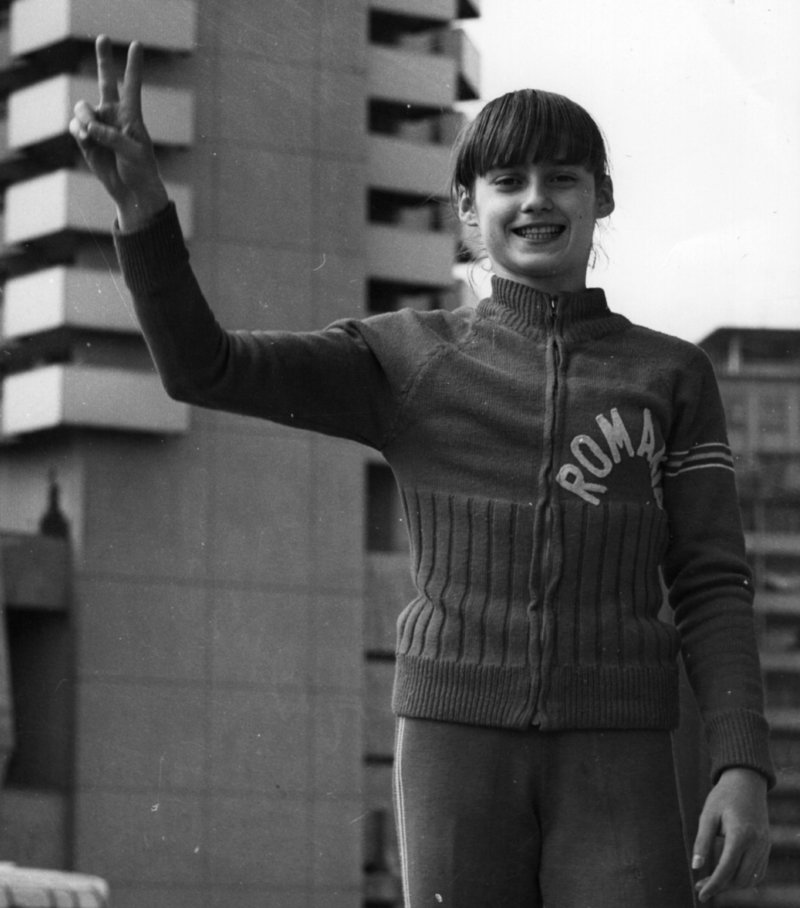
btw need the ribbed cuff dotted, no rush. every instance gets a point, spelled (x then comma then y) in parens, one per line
(740, 738)
(151, 258)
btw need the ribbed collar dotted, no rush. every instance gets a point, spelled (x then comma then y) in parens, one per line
(580, 315)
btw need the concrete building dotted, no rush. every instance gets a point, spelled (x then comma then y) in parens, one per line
(191, 670)
(759, 375)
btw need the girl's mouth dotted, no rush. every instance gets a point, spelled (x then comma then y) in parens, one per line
(540, 234)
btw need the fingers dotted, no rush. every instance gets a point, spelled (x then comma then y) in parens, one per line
(723, 874)
(106, 74)
(82, 117)
(704, 842)
(742, 865)
(86, 128)
(132, 86)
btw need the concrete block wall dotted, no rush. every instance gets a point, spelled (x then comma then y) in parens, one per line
(216, 606)
(219, 644)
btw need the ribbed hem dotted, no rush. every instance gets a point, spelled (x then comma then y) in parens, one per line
(458, 692)
(577, 698)
(581, 697)
(740, 738)
(153, 257)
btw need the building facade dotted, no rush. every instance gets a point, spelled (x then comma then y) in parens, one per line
(759, 376)
(191, 672)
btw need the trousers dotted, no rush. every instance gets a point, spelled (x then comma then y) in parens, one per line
(500, 818)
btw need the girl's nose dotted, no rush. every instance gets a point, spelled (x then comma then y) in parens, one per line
(537, 198)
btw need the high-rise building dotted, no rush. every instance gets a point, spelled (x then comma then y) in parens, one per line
(188, 670)
(759, 376)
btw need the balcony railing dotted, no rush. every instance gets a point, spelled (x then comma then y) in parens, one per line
(78, 396)
(438, 10)
(409, 167)
(61, 297)
(425, 80)
(69, 200)
(43, 111)
(164, 24)
(419, 258)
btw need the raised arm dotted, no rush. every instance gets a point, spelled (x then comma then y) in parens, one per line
(115, 141)
(328, 381)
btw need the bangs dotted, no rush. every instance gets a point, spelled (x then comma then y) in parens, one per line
(524, 125)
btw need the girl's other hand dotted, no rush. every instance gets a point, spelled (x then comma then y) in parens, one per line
(115, 141)
(736, 811)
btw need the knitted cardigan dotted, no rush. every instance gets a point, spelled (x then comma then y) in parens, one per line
(555, 462)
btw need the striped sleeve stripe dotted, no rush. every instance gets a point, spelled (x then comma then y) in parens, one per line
(701, 457)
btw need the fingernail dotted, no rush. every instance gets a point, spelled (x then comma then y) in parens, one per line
(697, 862)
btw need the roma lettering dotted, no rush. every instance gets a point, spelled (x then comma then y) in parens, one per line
(596, 463)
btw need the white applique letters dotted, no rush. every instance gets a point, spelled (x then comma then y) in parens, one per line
(595, 461)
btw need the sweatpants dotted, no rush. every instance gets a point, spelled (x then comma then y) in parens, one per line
(498, 818)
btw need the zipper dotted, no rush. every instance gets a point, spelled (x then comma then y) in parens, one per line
(547, 522)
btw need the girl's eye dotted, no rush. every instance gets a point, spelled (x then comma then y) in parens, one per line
(565, 178)
(507, 182)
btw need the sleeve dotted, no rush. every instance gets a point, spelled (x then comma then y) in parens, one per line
(709, 580)
(329, 381)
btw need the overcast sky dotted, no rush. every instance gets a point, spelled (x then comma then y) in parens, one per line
(700, 102)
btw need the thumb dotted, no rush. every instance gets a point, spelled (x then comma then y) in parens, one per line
(704, 842)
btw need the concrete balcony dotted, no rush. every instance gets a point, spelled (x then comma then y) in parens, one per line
(411, 257)
(164, 24)
(13, 72)
(409, 167)
(43, 111)
(27, 886)
(457, 45)
(69, 200)
(438, 10)
(60, 297)
(781, 605)
(14, 166)
(85, 397)
(425, 80)
(773, 543)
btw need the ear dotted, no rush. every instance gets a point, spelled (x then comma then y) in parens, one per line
(605, 198)
(466, 208)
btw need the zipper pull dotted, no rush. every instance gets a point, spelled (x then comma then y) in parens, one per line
(554, 310)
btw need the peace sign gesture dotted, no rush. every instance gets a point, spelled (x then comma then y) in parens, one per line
(115, 141)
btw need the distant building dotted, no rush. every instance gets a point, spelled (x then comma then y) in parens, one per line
(759, 375)
(192, 717)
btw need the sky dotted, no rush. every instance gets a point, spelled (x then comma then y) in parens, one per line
(700, 103)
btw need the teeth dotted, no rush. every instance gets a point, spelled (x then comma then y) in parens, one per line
(538, 232)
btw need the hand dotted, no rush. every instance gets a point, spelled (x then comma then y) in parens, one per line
(115, 141)
(736, 810)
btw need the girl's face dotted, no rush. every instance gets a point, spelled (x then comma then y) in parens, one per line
(537, 221)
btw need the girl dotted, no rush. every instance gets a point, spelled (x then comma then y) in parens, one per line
(552, 459)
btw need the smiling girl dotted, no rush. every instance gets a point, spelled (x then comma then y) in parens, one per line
(554, 461)
(532, 192)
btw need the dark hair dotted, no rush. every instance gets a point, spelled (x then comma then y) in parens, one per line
(526, 123)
